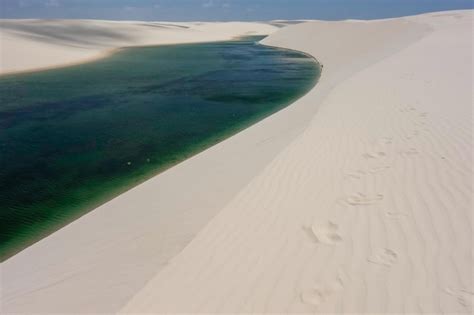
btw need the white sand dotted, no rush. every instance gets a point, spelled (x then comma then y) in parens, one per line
(356, 198)
(38, 44)
(370, 208)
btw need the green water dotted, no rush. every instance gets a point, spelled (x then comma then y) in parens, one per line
(73, 138)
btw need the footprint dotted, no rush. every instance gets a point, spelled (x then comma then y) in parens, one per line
(383, 256)
(374, 155)
(375, 170)
(362, 199)
(407, 109)
(325, 233)
(320, 293)
(463, 297)
(396, 215)
(424, 114)
(356, 175)
(410, 152)
(386, 140)
(412, 135)
(463, 301)
(353, 175)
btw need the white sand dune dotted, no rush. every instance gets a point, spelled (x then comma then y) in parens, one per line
(66, 42)
(370, 208)
(356, 198)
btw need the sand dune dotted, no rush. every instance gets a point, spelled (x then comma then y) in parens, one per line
(370, 208)
(66, 42)
(356, 198)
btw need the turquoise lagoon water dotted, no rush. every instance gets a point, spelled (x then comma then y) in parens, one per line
(75, 137)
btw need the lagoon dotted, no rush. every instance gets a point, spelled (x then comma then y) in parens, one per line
(73, 138)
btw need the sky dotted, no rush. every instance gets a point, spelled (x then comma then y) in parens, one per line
(223, 10)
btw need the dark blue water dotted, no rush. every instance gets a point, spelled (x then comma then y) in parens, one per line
(73, 138)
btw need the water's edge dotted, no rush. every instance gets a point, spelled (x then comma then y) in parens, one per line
(218, 138)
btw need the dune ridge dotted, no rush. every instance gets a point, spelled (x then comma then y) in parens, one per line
(61, 43)
(369, 210)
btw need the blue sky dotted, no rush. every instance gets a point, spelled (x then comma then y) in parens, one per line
(215, 10)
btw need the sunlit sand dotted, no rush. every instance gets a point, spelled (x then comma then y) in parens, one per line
(355, 198)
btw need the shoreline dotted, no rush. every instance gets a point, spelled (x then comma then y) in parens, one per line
(79, 42)
(105, 54)
(252, 148)
(136, 182)
(250, 199)
(100, 55)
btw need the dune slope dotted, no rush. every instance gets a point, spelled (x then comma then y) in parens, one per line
(370, 208)
(65, 42)
(356, 198)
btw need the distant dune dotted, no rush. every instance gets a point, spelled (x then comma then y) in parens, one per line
(40, 44)
(357, 198)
